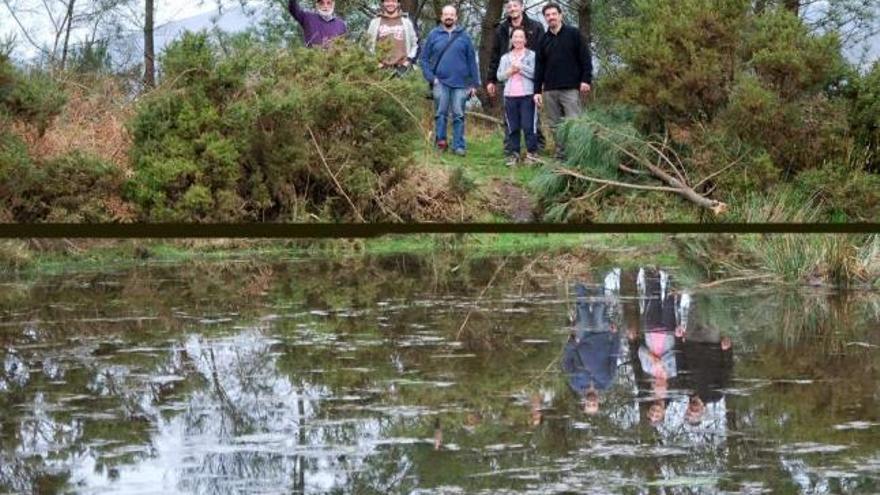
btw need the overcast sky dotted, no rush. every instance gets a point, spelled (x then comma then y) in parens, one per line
(41, 30)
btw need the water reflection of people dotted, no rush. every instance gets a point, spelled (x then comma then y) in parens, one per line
(707, 364)
(591, 354)
(656, 339)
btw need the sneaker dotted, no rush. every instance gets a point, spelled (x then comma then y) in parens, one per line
(441, 145)
(533, 159)
(460, 152)
(511, 160)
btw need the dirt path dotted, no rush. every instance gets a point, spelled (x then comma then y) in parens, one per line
(511, 200)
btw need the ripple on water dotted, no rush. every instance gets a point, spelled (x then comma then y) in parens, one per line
(808, 448)
(856, 425)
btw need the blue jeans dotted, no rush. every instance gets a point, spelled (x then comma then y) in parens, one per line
(446, 99)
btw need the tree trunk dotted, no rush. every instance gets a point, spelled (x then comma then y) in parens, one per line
(585, 20)
(760, 6)
(411, 7)
(69, 20)
(149, 47)
(487, 39)
(792, 6)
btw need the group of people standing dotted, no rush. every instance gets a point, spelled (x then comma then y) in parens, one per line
(539, 68)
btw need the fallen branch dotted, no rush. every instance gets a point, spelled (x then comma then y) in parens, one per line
(576, 175)
(487, 118)
(733, 279)
(679, 186)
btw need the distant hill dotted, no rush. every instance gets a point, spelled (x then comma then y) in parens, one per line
(128, 51)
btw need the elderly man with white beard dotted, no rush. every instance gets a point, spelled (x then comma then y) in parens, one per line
(319, 27)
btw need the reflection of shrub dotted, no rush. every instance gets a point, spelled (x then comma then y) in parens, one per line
(258, 134)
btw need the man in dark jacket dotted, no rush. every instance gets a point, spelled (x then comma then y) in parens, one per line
(449, 63)
(501, 45)
(563, 69)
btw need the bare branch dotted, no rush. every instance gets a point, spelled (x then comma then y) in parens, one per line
(571, 173)
(23, 30)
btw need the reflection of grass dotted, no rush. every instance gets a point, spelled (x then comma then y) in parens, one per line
(104, 256)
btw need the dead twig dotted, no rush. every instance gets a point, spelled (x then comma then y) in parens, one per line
(733, 279)
(333, 176)
(483, 292)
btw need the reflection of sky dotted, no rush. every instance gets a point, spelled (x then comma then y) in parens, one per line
(251, 429)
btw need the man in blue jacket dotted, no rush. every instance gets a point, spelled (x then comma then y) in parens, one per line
(449, 64)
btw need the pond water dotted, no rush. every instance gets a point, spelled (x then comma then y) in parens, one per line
(432, 375)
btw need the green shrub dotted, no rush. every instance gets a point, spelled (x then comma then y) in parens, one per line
(846, 193)
(595, 143)
(16, 176)
(680, 57)
(71, 188)
(80, 188)
(32, 96)
(257, 133)
(865, 116)
(789, 59)
(797, 134)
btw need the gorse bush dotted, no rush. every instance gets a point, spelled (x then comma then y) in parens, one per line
(755, 88)
(680, 57)
(257, 133)
(865, 116)
(71, 188)
(32, 97)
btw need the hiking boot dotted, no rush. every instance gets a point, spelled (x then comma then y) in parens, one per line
(511, 160)
(533, 159)
(441, 145)
(460, 152)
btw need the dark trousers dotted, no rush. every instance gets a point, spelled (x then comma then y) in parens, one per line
(519, 113)
(542, 141)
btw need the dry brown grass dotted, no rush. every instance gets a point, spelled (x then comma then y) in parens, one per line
(425, 196)
(92, 121)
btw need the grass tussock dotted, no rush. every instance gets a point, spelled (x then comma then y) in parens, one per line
(847, 261)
